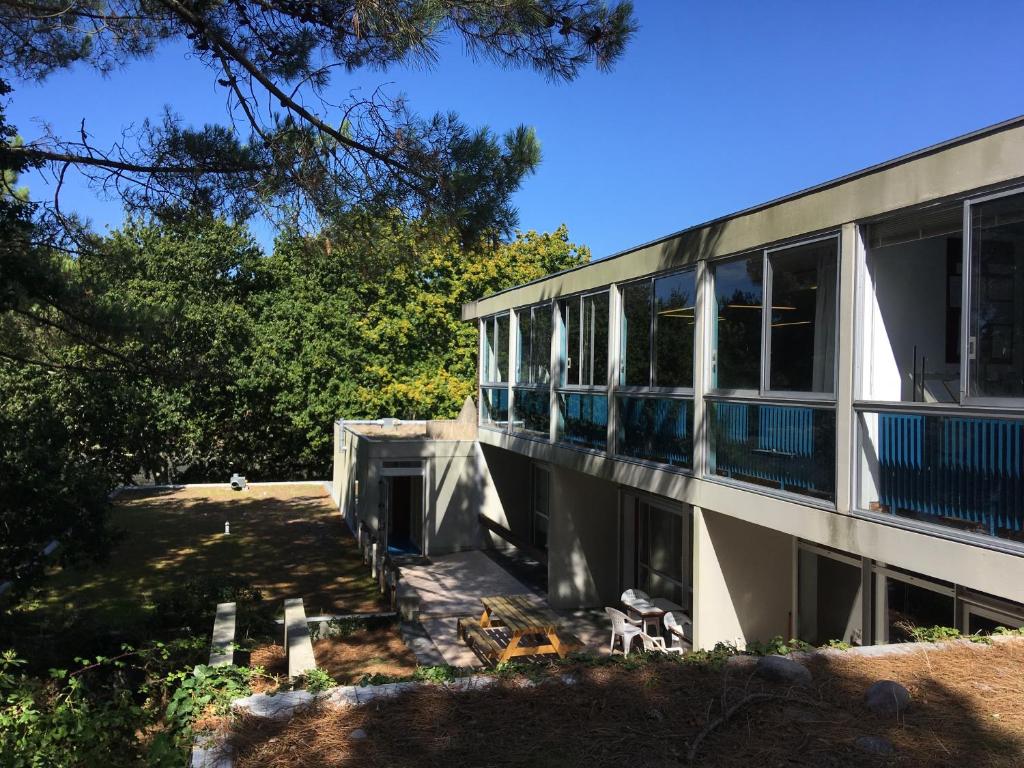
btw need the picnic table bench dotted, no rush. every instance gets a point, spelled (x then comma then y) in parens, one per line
(522, 619)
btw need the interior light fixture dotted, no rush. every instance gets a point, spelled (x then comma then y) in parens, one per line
(758, 306)
(797, 322)
(676, 312)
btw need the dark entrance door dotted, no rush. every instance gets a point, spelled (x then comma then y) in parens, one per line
(405, 512)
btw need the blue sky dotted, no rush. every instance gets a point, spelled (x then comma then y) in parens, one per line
(714, 107)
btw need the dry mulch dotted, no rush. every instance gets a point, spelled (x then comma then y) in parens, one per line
(378, 651)
(968, 709)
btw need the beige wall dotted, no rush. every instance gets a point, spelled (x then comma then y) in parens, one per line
(583, 541)
(743, 581)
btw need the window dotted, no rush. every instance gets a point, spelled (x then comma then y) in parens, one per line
(995, 350)
(494, 352)
(533, 364)
(674, 328)
(736, 360)
(657, 328)
(803, 317)
(664, 554)
(635, 370)
(540, 515)
(584, 340)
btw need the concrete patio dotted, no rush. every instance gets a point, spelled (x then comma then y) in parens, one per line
(451, 586)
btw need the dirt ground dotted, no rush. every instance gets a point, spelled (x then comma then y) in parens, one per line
(288, 540)
(378, 651)
(968, 709)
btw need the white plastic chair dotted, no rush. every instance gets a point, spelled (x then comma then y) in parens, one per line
(631, 595)
(679, 627)
(652, 643)
(624, 628)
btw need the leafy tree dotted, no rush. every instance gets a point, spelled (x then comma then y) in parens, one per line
(286, 143)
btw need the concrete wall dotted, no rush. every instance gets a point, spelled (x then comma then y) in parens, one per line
(583, 541)
(743, 581)
(507, 499)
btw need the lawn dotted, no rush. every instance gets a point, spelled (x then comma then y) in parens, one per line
(287, 540)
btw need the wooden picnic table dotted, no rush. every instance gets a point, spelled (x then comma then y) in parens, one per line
(522, 618)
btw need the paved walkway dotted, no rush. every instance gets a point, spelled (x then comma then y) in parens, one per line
(451, 586)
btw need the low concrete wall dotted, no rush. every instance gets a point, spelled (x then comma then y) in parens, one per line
(222, 645)
(297, 645)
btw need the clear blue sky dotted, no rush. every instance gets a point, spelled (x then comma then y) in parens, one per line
(714, 107)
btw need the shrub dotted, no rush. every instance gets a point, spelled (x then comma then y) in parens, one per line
(777, 647)
(935, 634)
(190, 606)
(317, 680)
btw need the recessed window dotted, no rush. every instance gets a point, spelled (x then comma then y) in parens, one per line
(803, 317)
(736, 363)
(584, 340)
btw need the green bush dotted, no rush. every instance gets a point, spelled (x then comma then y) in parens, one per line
(777, 647)
(935, 634)
(317, 680)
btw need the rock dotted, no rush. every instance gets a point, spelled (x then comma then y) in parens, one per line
(782, 670)
(358, 734)
(874, 745)
(887, 698)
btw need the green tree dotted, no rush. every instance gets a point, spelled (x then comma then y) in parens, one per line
(287, 145)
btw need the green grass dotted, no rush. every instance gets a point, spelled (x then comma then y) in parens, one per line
(288, 541)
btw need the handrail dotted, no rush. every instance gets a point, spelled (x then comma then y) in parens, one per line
(937, 409)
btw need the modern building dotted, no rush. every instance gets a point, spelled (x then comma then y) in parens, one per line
(803, 419)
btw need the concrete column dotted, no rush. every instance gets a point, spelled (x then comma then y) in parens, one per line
(614, 344)
(849, 256)
(701, 352)
(742, 587)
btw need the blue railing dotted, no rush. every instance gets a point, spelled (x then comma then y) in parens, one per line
(494, 406)
(959, 471)
(583, 419)
(655, 429)
(789, 447)
(532, 411)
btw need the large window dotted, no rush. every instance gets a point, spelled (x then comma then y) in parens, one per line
(657, 330)
(584, 340)
(803, 318)
(533, 361)
(995, 349)
(494, 349)
(664, 553)
(736, 360)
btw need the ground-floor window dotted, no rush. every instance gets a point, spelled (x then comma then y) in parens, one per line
(657, 547)
(830, 597)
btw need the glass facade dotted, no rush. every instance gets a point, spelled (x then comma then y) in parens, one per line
(494, 349)
(583, 419)
(533, 356)
(996, 343)
(655, 429)
(736, 341)
(786, 447)
(962, 472)
(674, 328)
(494, 406)
(635, 335)
(803, 318)
(584, 340)
(532, 408)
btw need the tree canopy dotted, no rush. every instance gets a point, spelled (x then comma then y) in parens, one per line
(288, 145)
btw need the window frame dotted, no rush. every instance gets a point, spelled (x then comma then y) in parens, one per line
(764, 390)
(650, 388)
(967, 267)
(485, 375)
(534, 310)
(579, 299)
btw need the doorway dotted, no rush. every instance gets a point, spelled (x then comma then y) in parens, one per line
(403, 500)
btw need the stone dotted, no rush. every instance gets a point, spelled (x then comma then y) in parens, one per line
(887, 698)
(779, 669)
(874, 745)
(358, 734)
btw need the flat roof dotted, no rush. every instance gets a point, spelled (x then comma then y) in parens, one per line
(470, 309)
